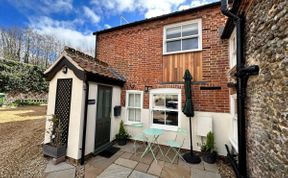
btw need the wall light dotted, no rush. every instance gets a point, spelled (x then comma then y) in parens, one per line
(65, 69)
(147, 88)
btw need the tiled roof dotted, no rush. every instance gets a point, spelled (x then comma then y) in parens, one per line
(92, 65)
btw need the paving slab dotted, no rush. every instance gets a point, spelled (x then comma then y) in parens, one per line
(92, 172)
(59, 167)
(156, 168)
(147, 159)
(142, 167)
(114, 171)
(127, 148)
(174, 170)
(210, 167)
(199, 166)
(126, 155)
(126, 163)
(70, 173)
(137, 174)
(196, 173)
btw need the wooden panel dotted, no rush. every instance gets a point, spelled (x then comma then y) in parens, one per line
(175, 65)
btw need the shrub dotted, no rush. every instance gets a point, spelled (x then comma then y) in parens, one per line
(123, 134)
(20, 77)
(209, 145)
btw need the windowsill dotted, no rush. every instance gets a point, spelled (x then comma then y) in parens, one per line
(167, 128)
(181, 52)
(131, 123)
(234, 144)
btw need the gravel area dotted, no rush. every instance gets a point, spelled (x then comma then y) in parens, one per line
(21, 150)
(225, 169)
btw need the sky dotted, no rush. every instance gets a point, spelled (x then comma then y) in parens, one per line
(74, 21)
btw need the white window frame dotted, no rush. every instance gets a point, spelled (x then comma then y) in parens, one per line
(232, 53)
(234, 137)
(127, 107)
(165, 91)
(199, 35)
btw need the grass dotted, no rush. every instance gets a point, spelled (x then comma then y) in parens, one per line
(22, 113)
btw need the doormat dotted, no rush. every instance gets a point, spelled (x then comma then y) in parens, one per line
(109, 152)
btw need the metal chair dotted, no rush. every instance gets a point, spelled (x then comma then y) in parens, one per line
(176, 144)
(140, 137)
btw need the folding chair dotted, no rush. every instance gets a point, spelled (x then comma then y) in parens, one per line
(176, 144)
(137, 137)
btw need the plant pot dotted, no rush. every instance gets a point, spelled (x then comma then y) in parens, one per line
(209, 157)
(122, 142)
(54, 151)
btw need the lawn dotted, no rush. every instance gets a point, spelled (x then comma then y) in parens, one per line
(21, 135)
(22, 113)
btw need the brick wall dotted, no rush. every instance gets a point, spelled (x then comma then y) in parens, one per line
(136, 52)
(267, 94)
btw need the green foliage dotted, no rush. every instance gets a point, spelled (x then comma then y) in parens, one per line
(27, 102)
(209, 145)
(56, 132)
(20, 77)
(123, 134)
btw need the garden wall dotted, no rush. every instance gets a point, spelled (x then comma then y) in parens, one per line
(267, 94)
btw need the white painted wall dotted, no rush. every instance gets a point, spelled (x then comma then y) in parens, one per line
(76, 112)
(221, 128)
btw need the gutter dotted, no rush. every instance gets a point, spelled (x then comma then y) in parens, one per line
(85, 121)
(243, 74)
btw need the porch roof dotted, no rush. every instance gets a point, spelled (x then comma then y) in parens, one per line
(82, 64)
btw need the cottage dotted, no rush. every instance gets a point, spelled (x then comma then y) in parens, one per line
(140, 67)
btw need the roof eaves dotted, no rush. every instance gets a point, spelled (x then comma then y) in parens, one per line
(159, 17)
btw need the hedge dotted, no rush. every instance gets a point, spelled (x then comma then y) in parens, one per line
(20, 77)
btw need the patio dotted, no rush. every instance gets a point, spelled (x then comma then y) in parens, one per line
(125, 163)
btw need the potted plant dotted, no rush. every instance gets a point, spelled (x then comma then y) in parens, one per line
(123, 135)
(208, 149)
(55, 148)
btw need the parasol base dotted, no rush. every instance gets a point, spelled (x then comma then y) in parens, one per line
(191, 158)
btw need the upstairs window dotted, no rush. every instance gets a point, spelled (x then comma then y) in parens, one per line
(182, 37)
(134, 100)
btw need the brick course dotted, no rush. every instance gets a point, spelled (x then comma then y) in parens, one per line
(136, 52)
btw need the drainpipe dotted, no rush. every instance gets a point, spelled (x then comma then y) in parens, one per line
(85, 121)
(242, 75)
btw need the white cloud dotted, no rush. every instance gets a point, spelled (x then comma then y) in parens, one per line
(106, 26)
(150, 8)
(183, 7)
(44, 6)
(91, 15)
(64, 31)
(196, 3)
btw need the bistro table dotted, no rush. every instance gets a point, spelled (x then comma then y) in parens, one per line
(152, 135)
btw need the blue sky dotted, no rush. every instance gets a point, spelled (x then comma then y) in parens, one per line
(74, 21)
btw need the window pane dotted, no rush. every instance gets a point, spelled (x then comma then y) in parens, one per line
(138, 115)
(137, 100)
(172, 118)
(131, 115)
(173, 46)
(172, 101)
(190, 43)
(173, 32)
(191, 29)
(131, 100)
(159, 117)
(159, 101)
